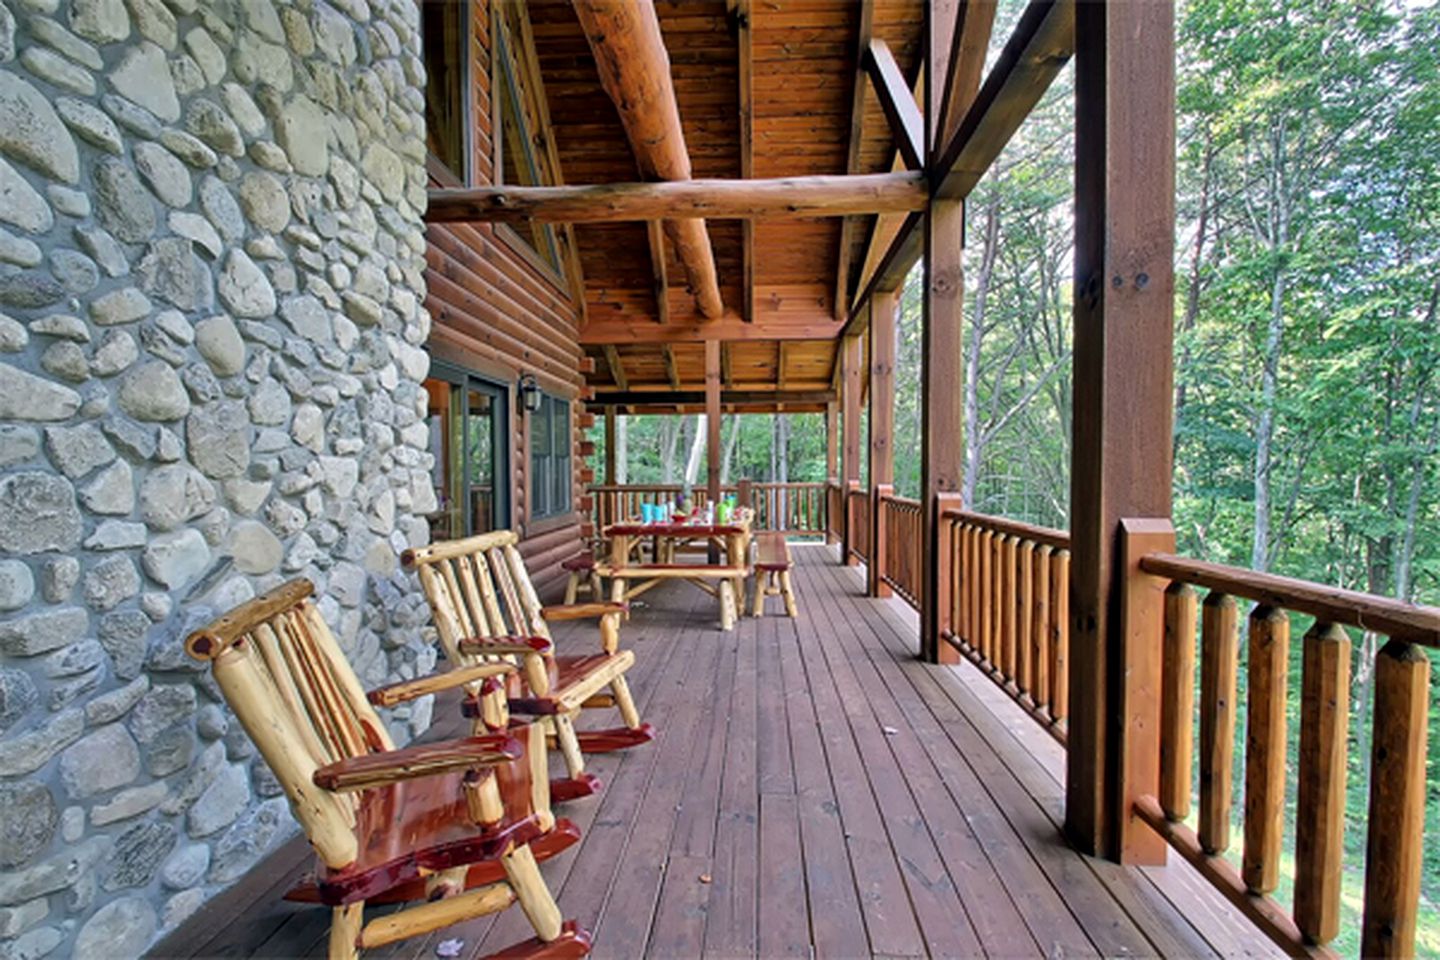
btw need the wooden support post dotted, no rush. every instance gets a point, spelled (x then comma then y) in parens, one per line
(1142, 631)
(879, 536)
(610, 445)
(941, 438)
(1124, 303)
(850, 424)
(712, 430)
(883, 307)
(832, 467)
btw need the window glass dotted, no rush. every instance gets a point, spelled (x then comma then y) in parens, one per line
(515, 132)
(443, 28)
(550, 458)
(467, 429)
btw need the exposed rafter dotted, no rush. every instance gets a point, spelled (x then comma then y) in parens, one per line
(617, 369)
(655, 231)
(634, 69)
(672, 373)
(740, 14)
(852, 155)
(774, 198)
(906, 123)
(971, 40)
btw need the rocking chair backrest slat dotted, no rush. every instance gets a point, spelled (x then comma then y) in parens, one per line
(491, 597)
(292, 689)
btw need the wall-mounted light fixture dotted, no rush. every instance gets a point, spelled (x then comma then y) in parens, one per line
(530, 395)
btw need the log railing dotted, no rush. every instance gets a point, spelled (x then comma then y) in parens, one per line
(1008, 609)
(794, 509)
(857, 526)
(1395, 824)
(612, 504)
(900, 528)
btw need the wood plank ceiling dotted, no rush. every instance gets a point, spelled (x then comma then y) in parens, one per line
(803, 65)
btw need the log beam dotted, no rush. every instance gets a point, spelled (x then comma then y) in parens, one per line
(655, 231)
(852, 155)
(668, 398)
(767, 199)
(672, 373)
(634, 68)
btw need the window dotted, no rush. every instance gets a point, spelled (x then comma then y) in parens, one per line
(517, 113)
(550, 458)
(444, 25)
(469, 422)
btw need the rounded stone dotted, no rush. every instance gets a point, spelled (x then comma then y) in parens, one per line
(244, 289)
(170, 271)
(159, 708)
(24, 396)
(265, 202)
(219, 343)
(174, 494)
(32, 132)
(126, 208)
(302, 129)
(143, 76)
(138, 853)
(21, 204)
(29, 821)
(211, 124)
(152, 392)
(121, 928)
(101, 761)
(38, 514)
(221, 210)
(103, 21)
(186, 866)
(175, 559)
(164, 172)
(218, 438)
(254, 548)
(17, 584)
(224, 800)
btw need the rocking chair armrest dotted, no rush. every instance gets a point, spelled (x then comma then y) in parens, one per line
(582, 611)
(388, 696)
(417, 761)
(506, 646)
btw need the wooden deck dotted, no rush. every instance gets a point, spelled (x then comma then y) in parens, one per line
(814, 791)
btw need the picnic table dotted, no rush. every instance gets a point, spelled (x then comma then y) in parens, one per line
(630, 577)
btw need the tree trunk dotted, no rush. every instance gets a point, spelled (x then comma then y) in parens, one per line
(1405, 553)
(1260, 551)
(974, 442)
(1192, 292)
(622, 449)
(730, 447)
(697, 447)
(669, 442)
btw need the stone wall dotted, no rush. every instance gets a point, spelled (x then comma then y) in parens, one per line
(211, 331)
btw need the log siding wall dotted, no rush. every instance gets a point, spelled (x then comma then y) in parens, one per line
(496, 311)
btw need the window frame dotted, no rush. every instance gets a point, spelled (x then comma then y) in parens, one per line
(437, 168)
(552, 472)
(509, 71)
(464, 380)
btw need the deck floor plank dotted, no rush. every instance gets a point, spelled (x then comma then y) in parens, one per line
(813, 791)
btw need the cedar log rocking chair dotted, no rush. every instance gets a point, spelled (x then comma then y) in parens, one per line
(458, 825)
(486, 611)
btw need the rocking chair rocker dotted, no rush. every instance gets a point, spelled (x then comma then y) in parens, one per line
(458, 825)
(486, 611)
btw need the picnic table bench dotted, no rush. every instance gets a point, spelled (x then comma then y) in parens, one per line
(772, 572)
(725, 581)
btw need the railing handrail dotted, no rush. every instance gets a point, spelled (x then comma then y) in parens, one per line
(1058, 539)
(901, 501)
(1394, 618)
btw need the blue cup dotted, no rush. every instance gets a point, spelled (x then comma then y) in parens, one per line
(647, 512)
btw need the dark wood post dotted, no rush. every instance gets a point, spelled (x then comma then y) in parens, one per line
(945, 586)
(832, 468)
(941, 439)
(879, 534)
(1124, 305)
(850, 424)
(610, 445)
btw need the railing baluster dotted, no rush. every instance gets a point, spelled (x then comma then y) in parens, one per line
(1265, 748)
(1218, 656)
(1396, 844)
(1024, 599)
(1060, 635)
(1320, 815)
(987, 560)
(1177, 701)
(1040, 627)
(1005, 601)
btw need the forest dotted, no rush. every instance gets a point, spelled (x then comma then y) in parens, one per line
(1307, 328)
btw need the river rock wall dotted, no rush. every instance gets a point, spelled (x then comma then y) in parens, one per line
(211, 348)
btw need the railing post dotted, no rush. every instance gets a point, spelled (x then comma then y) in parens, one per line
(1142, 631)
(847, 536)
(746, 494)
(879, 538)
(939, 599)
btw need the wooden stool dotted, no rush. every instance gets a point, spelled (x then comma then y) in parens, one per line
(582, 576)
(772, 572)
